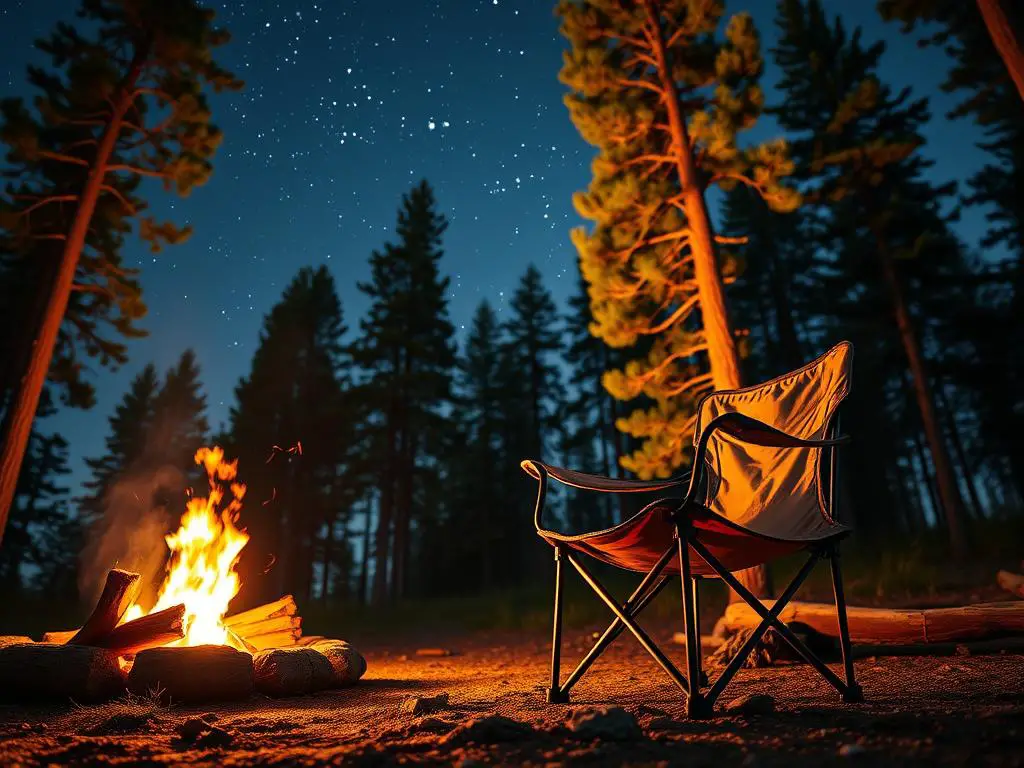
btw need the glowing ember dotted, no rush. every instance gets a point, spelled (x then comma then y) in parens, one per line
(204, 550)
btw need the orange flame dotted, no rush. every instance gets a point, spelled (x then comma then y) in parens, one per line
(204, 551)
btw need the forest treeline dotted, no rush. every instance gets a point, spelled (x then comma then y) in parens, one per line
(382, 453)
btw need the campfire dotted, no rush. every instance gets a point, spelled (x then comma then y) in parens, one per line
(185, 643)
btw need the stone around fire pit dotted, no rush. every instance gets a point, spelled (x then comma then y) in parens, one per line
(193, 674)
(320, 666)
(34, 671)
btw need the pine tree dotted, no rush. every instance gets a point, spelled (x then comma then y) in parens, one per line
(292, 431)
(885, 222)
(774, 266)
(122, 101)
(126, 443)
(990, 98)
(407, 349)
(592, 412)
(533, 343)
(179, 428)
(40, 516)
(664, 102)
(479, 470)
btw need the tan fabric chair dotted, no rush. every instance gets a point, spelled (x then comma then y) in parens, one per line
(761, 487)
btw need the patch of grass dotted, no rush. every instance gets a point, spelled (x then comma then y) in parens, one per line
(128, 714)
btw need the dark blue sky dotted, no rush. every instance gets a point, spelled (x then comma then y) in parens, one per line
(348, 103)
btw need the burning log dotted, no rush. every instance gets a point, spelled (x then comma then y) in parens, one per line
(193, 674)
(119, 592)
(150, 631)
(294, 671)
(266, 626)
(285, 606)
(39, 671)
(282, 639)
(894, 626)
(6, 640)
(59, 637)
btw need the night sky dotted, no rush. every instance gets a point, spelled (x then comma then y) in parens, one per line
(349, 103)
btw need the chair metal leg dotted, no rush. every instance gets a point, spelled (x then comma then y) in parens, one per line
(696, 612)
(854, 693)
(554, 693)
(697, 705)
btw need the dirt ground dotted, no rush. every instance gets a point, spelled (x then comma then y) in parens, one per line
(920, 711)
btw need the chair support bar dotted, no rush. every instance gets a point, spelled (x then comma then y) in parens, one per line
(771, 619)
(632, 626)
(633, 606)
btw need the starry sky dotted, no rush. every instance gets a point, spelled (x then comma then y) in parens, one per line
(348, 104)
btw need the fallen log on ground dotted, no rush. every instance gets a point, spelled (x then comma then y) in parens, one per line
(1011, 582)
(44, 671)
(150, 631)
(320, 666)
(895, 626)
(119, 592)
(193, 674)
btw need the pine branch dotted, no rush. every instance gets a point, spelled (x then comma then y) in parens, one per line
(131, 209)
(62, 158)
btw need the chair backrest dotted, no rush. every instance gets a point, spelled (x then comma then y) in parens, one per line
(777, 491)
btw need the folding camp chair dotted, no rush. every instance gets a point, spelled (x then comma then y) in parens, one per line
(758, 490)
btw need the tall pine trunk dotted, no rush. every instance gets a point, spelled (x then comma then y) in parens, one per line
(384, 514)
(364, 564)
(955, 439)
(18, 427)
(949, 493)
(1005, 38)
(721, 347)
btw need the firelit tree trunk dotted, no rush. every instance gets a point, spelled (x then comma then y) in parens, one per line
(949, 493)
(721, 347)
(18, 426)
(1005, 38)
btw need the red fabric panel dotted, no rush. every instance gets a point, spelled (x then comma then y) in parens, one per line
(638, 543)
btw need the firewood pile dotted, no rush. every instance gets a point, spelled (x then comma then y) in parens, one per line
(266, 653)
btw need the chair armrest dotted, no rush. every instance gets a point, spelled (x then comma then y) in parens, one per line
(599, 483)
(540, 472)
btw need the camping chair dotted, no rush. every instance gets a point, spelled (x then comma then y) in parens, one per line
(758, 491)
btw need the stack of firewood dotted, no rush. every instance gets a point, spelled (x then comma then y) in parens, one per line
(274, 625)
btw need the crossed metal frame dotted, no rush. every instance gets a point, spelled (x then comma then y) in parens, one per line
(700, 702)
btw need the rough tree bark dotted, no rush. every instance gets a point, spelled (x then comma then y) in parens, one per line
(721, 346)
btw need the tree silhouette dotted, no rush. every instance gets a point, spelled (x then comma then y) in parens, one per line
(122, 102)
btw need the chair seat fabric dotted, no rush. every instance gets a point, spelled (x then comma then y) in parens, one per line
(639, 542)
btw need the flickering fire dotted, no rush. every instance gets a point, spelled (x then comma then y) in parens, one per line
(204, 551)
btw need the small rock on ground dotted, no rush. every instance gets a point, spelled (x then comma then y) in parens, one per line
(489, 729)
(752, 704)
(610, 723)
(424, 705)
